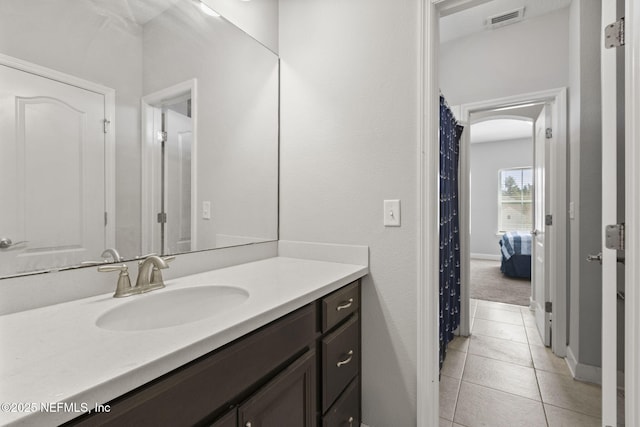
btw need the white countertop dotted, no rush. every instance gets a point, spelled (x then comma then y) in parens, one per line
(57, 353)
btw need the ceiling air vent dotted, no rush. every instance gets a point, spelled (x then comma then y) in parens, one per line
(505, 18)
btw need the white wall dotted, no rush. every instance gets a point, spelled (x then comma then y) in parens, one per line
(237, 130)
(585, 182)
(524, 57)
(259, 18)
(349, 139)
(99, 47)
(487, 159)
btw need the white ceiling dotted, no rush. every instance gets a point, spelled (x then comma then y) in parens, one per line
(501, 130)
(472, 20)
(139, 11)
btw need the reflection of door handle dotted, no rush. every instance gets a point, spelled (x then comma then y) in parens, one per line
(592, 258)
(6, 243)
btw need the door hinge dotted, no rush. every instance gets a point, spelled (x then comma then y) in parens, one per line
(548, 305)
(614, 237)
(162, 217)
(548, 219)
(548, 133)
(614, 34)
(106, 123)
(162, 136)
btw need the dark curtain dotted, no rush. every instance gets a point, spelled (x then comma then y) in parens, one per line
(450, 132)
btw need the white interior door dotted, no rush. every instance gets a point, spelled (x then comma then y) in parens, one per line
(609, 216)
(179, 130)
(540, 292)
(52, 174)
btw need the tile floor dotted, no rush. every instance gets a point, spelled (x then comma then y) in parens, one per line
(504, 376)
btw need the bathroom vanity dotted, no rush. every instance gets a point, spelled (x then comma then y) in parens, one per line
(287, 354)
(266, 378)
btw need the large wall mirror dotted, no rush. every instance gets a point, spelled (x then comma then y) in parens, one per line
(130, 127)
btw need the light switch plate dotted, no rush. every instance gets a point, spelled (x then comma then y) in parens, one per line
(392, 213)
(572, 211)
(206, 210)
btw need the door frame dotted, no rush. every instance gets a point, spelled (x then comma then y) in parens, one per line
(109, 136)
(427, 369)
(632, 213)
(556, 237)
(150, 167)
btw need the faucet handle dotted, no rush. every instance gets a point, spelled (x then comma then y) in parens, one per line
(123, 288)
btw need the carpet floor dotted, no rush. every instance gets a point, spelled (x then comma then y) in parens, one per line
(489, 284)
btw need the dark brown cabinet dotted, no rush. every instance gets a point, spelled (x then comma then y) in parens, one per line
(301, 370)
(228, 420)
(340, 358)
(286, 401)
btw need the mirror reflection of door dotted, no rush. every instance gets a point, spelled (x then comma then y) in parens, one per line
(172, 186)
(177, 179)
(52, 172)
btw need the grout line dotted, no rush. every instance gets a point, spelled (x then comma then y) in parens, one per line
(535, 373)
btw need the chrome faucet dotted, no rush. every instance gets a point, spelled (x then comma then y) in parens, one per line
(113, 253)
(149, 275)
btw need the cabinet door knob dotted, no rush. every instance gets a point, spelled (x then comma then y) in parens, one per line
(345, 304)
(347, 360)
(350, 420)
(248, 424)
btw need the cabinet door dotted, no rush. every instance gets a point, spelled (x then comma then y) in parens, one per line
(230, 419)
(286, 401)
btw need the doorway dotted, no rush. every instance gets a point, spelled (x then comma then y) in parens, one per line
(169, 170)
(427, 371)
(501, 201)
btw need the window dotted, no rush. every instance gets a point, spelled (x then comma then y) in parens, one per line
(515, 200)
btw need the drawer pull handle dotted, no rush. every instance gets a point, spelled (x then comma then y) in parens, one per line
(344, 305)
(347, 360)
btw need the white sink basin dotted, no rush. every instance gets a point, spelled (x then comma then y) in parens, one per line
(166, 308)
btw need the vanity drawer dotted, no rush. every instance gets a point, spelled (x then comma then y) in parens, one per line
(346, 411)
(340, 305)
(340, 360)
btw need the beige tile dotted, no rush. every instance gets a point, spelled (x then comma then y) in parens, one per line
(459, 344)
(448, 396)
(445, 423)
(472, 308)
(499, 305)
(499, 349)
(565, 392)
(482, 406)
(499, 315)
(528, 317)
(544, 359)
(453, 364)
(501, 376)
(499, 330)
(559, 417)
(534, 337)
(621, 408)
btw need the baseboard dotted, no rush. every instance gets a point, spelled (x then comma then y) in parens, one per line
(588, 373)
(487, 257)
(571, 361)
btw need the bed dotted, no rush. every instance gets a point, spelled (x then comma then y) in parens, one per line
(515, 247)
